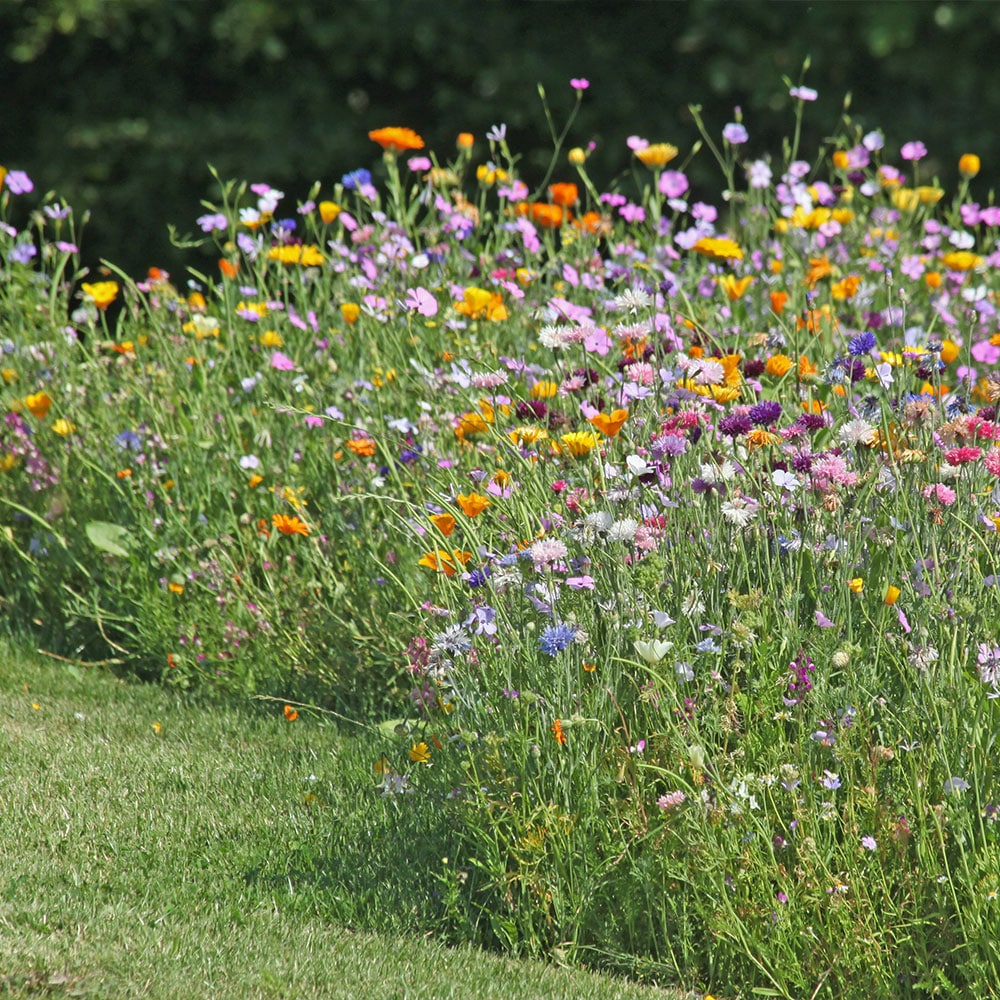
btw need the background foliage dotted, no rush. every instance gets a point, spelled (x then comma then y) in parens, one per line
(121, 104)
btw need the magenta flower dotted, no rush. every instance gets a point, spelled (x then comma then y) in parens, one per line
(913, 151)
(579, 83)
(282, 362)
(673, 184)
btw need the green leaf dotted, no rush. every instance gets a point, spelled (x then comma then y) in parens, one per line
(109, 537)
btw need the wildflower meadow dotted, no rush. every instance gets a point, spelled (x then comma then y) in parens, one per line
(649, 537)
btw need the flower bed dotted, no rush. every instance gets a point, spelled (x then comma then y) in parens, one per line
(672, 524)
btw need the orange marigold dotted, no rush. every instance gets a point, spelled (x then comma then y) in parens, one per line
(289, 525)
(563, 194)
(396, 140)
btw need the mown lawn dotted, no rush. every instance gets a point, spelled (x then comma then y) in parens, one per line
(158, 846)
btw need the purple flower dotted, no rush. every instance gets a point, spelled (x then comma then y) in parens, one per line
(765, 413)
(735, 134)
(210, 223)
(913, 151)
(673, 184)
(803, 93)
(830, 781)
(356, 179)
(868, 843)
(19, 182)
(759, 174)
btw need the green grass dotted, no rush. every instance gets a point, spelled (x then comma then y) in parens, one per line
(182, 862)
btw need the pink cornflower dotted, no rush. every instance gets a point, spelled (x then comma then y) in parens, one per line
(992, 461)
(832, 468)
(547, 551)
(944, 495)
(961, 456)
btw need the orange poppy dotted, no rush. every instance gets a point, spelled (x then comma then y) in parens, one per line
(444, 523)
(290, 713)
(611, 423)
(557, 732)
(473, 504)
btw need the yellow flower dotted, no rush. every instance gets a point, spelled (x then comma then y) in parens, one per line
(473, 504)
(478, 303)
(101, 293)
(735, 288)
(328, 211)
(856, 585)
(544, 390)
(38, 404)
(578, 443)
(892, 595)
(254, 481)
(659, 154)
(306, 255)
(968, 165)
(961, 260)
(9, 375)
(420, 753)
(577, 156)
(350, 311)
(271, 338)
(64, 427)
(719, 248)
(778, 365)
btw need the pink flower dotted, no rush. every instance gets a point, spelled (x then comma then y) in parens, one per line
(421, 300)
(282, 362)
(803, 93)
(671, 800)
(579, 83)
(913, 151)
(992, 461)
(944, 495)
(673, 184)
(960, 456)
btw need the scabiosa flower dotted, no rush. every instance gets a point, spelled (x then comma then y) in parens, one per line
(556, 638)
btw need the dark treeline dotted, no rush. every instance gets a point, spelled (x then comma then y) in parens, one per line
(120, 105)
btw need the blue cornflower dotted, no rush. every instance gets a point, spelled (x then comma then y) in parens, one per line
(128, 439)
(356, 179)
(556, 638)
(861, 345)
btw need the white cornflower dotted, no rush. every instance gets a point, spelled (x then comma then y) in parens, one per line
(856, 432)
(739, 511)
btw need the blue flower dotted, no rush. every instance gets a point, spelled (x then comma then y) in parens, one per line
(356, 179)
(556, 638)
(861, 345)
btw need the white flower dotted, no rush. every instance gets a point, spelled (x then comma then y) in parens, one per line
(652, 650)
(856, 432)
(623, 530)
(785, 480)
(632, 300)
(739, 511)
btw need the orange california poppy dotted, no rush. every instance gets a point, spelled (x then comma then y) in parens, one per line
(473, 504)
(290, 713)
(396, 140)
